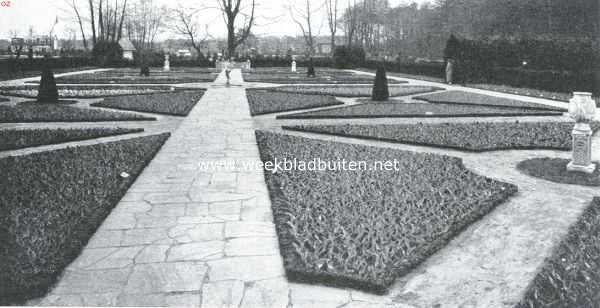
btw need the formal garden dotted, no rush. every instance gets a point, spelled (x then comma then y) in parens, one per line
(486, 199)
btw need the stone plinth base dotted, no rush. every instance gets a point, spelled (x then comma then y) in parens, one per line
(586, 169)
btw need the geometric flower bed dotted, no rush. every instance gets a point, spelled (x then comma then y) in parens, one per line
(11, 139)
(467, 98)
(84, 91)
(416, 110)
(322, 77)
(474, 136)
(570, 277)
(264, 101)
(52, 202)
(363, 229)
(32, 112)
(353, 91)
(174, 103)
(555, 170)
(135, 78)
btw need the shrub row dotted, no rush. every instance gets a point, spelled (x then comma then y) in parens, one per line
(474, 136)
(365, 228)
(11, 139)
(51, 203)
(13, 68)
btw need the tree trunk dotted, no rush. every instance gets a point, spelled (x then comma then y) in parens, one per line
(230, 37)
(93, 21)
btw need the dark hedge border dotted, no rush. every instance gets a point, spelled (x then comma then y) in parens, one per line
(30, 113)
(317, 80)
(154, 89)
(324, 191)
(3, 99)
(264, 102)
(562, 280)
(315, 90)
(114, 79)
(176, 104)
(468, 98)
(472, 137)
(555, 170)
(415, 110)
(52, 202)
(12, 139)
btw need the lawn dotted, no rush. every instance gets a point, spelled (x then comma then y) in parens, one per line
(11, 139)
(83, 91)
(353, 91)
(570, 277)
(476, 136)
(52, 202)
(31, 112)
(265, 101)
(36, 73)
(322, 77)
(416, 110)
(555, 170)
(175, 103)
(364, 229)
(468, 98)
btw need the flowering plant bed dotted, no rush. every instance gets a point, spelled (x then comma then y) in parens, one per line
(30, 112)
(177, 103)
(468, 98)
(364, 229)
(82, 91)
(135, 78)
(476, 136)
(264, 101)
(570, 277)
(11, 139)
(416, 110)
(319, 79)
(353, 90)
(52, 202)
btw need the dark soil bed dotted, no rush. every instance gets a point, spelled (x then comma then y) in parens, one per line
(416, 110)
(51, 203)
(476, 136)
(468, 98)
(365, 228)
(354, 90)
(555, 170)
(264, 101)
(11, 139)
(570, 277)
(176, 103)
(23, 113)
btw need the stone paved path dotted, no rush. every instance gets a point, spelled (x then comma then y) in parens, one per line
(186, 235)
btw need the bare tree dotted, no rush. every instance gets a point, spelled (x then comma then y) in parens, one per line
(303, 17)
(184, 24)
(231, 10)
(144, 23)
(332, 20)
(79, 19)
(350, 23)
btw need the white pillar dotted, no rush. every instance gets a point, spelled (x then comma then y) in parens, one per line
(294, 66)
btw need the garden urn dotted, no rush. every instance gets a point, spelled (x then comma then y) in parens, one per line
(582, 109)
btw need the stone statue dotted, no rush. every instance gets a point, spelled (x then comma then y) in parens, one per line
(167, 66)
(582, 109)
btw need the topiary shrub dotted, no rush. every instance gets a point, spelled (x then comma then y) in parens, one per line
(348, 56)
(311, 69)
(47, 91)
(145, 71)
(107, 53)
(380, 86)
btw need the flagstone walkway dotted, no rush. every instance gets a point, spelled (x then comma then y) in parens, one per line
(189, 233)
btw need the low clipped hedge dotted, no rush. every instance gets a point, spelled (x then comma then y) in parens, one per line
(469, 98)
(31, 112)
(323, 76)
(135, 78)
(3, 99)
(52, 202)
(11, 139)
(570, 277)
(87, 91)
(416, 110)
(363, 229)
(354, 91)
(265, 101)
(176, 103)
(475, 137)
(555, 170)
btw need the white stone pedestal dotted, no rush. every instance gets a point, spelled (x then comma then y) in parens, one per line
(293, 66)
(582, 149)
(167, 66)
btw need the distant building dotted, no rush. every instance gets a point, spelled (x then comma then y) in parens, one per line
(184, 53)
(127, 47)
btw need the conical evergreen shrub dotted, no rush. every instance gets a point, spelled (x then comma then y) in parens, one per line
(311, 69)
(47, 91)
(380, 86)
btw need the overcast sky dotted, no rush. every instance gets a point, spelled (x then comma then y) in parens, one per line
(41, 14)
